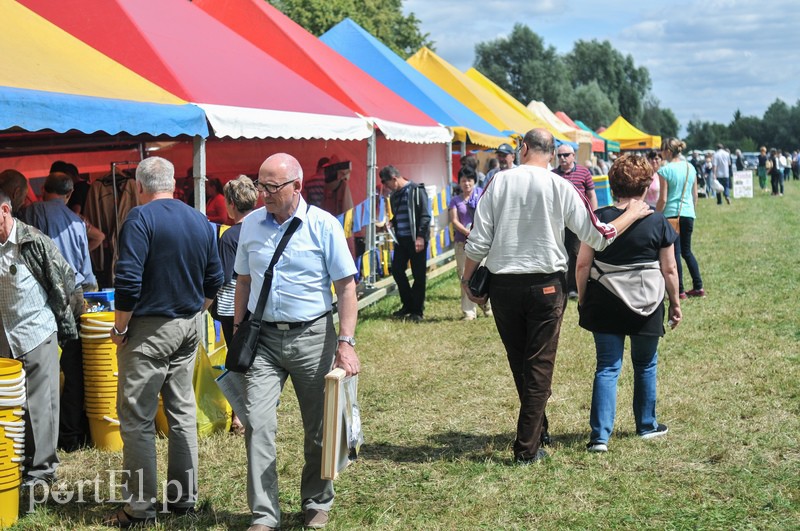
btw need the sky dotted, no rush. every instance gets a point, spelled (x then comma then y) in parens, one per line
(706, 58)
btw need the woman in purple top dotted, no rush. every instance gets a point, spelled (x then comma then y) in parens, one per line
(462, 208)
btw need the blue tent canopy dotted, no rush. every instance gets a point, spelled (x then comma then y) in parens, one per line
(375, 58)
(35, 110)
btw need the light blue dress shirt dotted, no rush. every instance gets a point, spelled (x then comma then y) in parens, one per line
(68, 232)
(316, 255)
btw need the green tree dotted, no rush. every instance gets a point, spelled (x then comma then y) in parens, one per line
(777, 125)
(626, 85)
(384, 19)
(658, 121)
(524, 67)
(590, 104)
(705, 135)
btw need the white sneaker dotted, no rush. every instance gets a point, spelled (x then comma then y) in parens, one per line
(468, 317)
(597, 448)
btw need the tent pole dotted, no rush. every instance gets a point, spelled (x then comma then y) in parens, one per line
(199, 173)
(450, 160)
(372, 170)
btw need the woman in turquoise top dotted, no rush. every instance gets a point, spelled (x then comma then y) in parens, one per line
(678, 197)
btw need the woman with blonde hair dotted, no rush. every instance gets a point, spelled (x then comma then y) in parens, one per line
(644, 254)
(240, 199)
(677, 200)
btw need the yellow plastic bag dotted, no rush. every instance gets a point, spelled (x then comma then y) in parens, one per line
(213, 410)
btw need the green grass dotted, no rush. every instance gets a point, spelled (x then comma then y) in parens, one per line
(439, 412)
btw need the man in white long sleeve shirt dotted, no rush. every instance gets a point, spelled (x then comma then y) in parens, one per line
(519, 228)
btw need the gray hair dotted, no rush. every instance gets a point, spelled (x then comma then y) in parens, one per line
(241, 193)
(389, 172)
(156, 174)
(58, 183)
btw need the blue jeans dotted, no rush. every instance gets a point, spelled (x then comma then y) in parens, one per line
(644, 355)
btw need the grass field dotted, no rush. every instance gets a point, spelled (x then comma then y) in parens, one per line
(439, 412)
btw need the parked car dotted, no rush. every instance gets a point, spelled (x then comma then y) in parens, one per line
(750, 160)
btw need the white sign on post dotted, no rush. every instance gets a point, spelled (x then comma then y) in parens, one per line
(742, 184)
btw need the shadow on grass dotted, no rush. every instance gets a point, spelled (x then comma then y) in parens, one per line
(459, 446)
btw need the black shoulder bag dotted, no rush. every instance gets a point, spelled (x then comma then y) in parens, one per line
(242, 350)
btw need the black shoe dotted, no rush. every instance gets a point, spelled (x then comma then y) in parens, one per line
(541, 455)
(660, 431)
(414, 317)
(545, 439)
(402, 312)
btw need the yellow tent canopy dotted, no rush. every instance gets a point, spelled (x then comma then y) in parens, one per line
(515, 105)
(629, 137)
(78, 68)
(477, 98)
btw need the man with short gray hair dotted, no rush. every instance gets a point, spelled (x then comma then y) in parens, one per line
(168, 272)
(35, 286)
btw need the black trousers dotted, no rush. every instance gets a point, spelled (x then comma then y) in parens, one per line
(73, 425)
(411, 296)
(528, 310)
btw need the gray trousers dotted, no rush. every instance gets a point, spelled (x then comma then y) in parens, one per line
(158, 358)
(41, 409)
(306, 354)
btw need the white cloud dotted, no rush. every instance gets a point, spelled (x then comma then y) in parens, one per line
(707, 58)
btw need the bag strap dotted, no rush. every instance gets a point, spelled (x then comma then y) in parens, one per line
(265, 287)
(683, 192)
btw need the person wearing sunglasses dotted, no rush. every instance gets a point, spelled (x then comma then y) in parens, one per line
(581, 179)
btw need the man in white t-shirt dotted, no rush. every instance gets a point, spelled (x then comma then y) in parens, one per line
(519, 228)
(721, 170)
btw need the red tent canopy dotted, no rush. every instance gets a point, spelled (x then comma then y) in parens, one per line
(288, 42)
(598, 146)
(189, 53)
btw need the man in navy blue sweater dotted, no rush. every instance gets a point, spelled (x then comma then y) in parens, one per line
(168, 272)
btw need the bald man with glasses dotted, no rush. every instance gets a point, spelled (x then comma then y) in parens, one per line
(581, 179)
(298, 339)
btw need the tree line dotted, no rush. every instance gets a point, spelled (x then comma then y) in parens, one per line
(778, 128)
(593, 83)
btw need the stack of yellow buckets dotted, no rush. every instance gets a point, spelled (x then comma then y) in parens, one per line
(100, 379)
(12, 438)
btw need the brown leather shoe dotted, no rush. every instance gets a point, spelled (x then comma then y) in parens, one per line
(316, 518)
(260, 527)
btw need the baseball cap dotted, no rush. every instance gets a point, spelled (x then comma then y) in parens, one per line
(505, 148)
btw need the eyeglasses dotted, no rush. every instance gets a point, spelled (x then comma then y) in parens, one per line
(565, 155)
(271, 188)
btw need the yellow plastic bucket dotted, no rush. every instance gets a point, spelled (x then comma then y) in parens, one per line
(105, 434)
(10, 368)
(9, 506)
(162, 425)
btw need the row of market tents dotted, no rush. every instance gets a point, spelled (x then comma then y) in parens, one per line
(215, 85)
